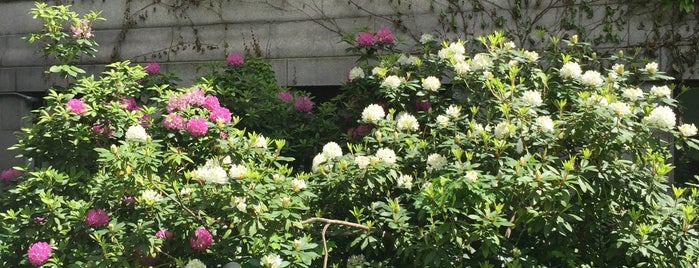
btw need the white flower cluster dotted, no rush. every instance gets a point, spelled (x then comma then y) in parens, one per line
(442, 120)
(407, 60)
(632, 94)
(211, 172)
(544, 123)
(137, 133)
(239, 203)
(620, 108)
(502, 130)
(455, 51)
(661, 117)
(462, 68)
(195, 263)
(471, 175)
(271, 261)
(687, 130)
(532, 98)
(151, 196)
(237, 171)
(386, 155)
(453, 111)
(355, 73)
(592, 78)
(406, 121)
(570, 70)
(531, 55)
(298, 185)
(431, 83)
(661, 92)
(330, 151)
(481, 61)
(261, 141)
(391, 82)
(362, 161)
(651, 68)
(373, 113)
(436, 162)
(405, 181)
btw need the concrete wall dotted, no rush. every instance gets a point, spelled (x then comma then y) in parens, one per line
(300, 37)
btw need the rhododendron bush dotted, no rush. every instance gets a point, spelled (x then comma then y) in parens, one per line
(480, 153)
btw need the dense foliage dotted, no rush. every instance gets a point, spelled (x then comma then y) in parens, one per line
(459, 154)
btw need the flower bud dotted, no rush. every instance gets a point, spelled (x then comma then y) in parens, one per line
(114, 149)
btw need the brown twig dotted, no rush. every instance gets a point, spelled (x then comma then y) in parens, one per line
(328, 222)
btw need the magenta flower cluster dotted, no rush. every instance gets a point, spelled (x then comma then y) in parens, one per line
(82, 30)
(285, 96)
(152, 68)
(39, 253)
(302, 104)
(76, 106)
(383, 36)
(203, 239)
(96, 218)
(195, 125)
(10, 174)
(235, 59)
(164, 234)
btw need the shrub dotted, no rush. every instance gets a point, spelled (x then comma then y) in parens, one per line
(520, 159)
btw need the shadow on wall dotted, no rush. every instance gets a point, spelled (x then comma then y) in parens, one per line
(16, 106)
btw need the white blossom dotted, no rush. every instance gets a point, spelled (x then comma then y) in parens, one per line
(531, 55)
(471, 175)
(453, 111)
(544, 123)
(386, 155)
(271, 261)
(431, 83)
(356, 73)
(405, 181)
(195, 263)
(651, 68)
(362, 161)
(318, 160)
(406, 121)
(632, 94)
(426, 38)
(436, 162)
(211, 172)
(442, 120)
(592, 78)
(151, 196)
(620, 108)
(481, 61)
(663, 91)
(331, 149)
(391, 82)
(570, 70)
(461, 68)
(687, 130)
(240, 203)
(261, 142)
(618, 68)
(532, 98)
(502, 130)
(661, 117)
(298, 185)
(237, 171)
(136, 132)
(373, 113)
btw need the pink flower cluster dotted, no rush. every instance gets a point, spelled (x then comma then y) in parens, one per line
(383, 36)
(164, 234)
(39, 253)
(81, 30)
(235, 59)
(303, 104)
(96, 218)
(203, 240)
(76, 106)
(152, 68)
(10, 174)
(195, 125)
(285, 96)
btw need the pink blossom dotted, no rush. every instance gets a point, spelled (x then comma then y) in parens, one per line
(174, 121)
(204, 239)
(286, 96)
(39, 253)
(152, 68)
(176, 103)
(195, 97)
(423, 105)
(76, 106)
(211, 102)
(223, 135)
(164, 234)
(96, 218)
(235, 59)
(197, 126)
(10, 174)
(365, 39)
(221, 114)
(144, 120)
(39, 218)
(128, 104)
(82, 30)
(102, 129)
(384, 36)
(303, 104)
(128, 199)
